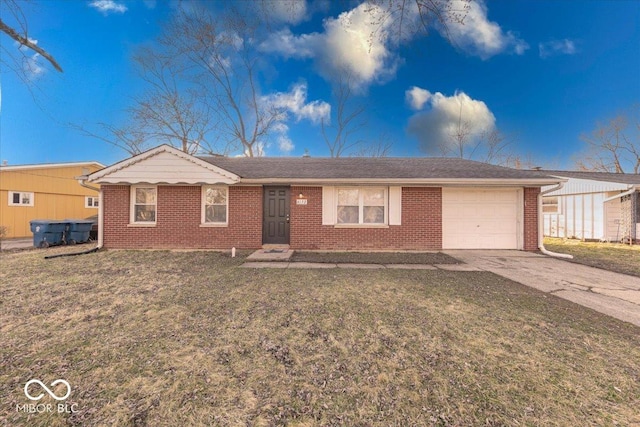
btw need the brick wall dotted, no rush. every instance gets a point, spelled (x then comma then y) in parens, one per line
(421, 227)
(178, 220)
(531, 218)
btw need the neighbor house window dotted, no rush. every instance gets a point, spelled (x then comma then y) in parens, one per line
(90, 202)
(20, 198)
(143, 204)
(550, 205)
(215, 204)
(361, 205)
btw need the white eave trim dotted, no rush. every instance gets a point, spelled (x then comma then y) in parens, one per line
(48, 166)
(101, 176)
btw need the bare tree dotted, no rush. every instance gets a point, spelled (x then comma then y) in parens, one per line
(614, 146)
(404, 18)
(224, 67)
(17, 59)
(488, 146)
(201, 89)
(165, 112)
(379, 148)
(348, 118)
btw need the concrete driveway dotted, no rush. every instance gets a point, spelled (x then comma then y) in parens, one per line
(614, 294)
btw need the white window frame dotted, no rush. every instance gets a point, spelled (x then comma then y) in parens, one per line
(550, 206)
(91, 202)
(203, 206)
(361, 222)
(21, 195)
(132, 213)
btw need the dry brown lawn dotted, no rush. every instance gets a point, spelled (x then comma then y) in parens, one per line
(163, 338)
(609, 256)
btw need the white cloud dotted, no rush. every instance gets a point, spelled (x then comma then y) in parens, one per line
(416, 97)
(285, 43)
(31, 64)
(557, 47)
(108, 6)
(479, 36)
(295, 102)
(285, 144)
(32, 68)
(436, 126)
(150, 4)
(357, 43)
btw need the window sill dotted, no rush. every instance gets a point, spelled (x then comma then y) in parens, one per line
(149, 224)
(361, 226)
(207, 225)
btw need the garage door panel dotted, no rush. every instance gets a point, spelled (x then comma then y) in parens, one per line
(480, 218)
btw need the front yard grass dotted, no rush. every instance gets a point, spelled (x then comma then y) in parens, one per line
(609, 256)
(164, 338)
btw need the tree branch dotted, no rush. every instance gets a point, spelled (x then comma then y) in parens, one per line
(24, 41)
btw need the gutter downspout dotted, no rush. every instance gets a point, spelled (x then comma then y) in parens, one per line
(81, 181)
(541, 225)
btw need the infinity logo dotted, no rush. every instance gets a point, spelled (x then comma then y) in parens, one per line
(52, 394)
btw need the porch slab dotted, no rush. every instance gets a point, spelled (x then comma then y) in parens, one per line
(271, 254)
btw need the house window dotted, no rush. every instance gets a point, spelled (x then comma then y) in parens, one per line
(550, 205)
(361, 206)
(18, 198)
(143, 205)
(91, 202)
(215, 204)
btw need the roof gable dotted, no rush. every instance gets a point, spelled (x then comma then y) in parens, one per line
(163, 165)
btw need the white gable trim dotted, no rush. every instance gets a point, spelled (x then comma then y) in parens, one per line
(117, 173)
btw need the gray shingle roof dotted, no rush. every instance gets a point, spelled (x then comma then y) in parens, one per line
(367, 168)
(623, 178)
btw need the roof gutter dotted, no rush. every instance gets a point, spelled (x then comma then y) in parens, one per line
(476, 182)
(541, 224)
(630, 191)
(82, 181)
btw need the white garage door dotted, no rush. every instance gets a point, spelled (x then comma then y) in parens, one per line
(480, 218)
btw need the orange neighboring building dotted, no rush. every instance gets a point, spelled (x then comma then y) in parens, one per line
(44, 191)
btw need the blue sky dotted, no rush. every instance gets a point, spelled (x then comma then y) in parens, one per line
(542, 72)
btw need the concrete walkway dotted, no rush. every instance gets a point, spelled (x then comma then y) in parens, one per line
(279, 264)
(614, 294)
(22, 243)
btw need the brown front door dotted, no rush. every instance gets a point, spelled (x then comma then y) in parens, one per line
(275, 223)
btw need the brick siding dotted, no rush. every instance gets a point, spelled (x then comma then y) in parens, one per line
(421, 227)
(531, 218)
(178, 220)
(179, 211)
